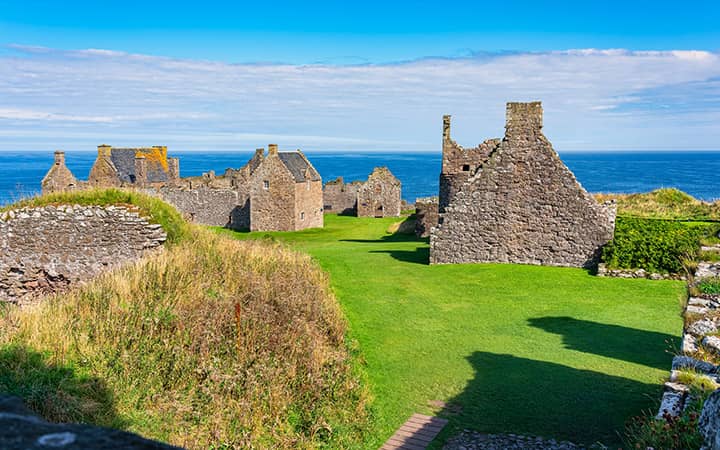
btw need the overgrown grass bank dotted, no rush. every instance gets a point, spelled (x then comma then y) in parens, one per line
(667, 203)
(154, 209)
(547, 351)
(213, 343)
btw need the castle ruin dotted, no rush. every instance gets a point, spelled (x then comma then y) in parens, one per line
(379, 196)
(278, 192)
(513, 200)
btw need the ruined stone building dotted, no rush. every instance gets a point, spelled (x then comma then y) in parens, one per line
(379, 196)
(59, 178)
(136, 167)
(285, 187)
(285, 193)
(513, 200)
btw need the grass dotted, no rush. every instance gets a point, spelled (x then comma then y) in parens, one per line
(546, 351)
(212, 343)
(154, 209)
(663, 204)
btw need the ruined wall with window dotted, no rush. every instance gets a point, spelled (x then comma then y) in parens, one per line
(459, 163)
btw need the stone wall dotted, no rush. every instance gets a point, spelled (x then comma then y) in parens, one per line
(59, 178)
(426, 216)
(523, 205)
(459, 163)
(272, 192)
(222, 207)
(308, 205)
(380, 195)
(340, 197)
(49, 248)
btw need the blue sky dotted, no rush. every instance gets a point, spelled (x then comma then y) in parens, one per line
(356, 75)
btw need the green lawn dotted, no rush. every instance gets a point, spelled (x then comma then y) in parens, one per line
(547, 351)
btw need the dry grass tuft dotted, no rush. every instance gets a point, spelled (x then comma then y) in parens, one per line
(212, 343)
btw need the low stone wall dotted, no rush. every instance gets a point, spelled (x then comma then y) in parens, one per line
(46, 249)
(603, 271)
(426, 214)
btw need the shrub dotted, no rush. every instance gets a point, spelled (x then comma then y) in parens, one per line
(212, 343)
(653, 245)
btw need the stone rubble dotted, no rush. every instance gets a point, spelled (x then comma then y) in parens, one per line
(471, 440)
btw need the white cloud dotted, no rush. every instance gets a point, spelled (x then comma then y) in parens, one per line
(593, 98)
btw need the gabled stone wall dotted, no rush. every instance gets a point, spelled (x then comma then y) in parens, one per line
(272, 196)
(59, 178)
(522, 205)
(380, 195)
(46, 249)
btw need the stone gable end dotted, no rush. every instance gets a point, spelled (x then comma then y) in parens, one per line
(522, 205)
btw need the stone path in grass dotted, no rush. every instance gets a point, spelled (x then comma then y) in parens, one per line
(416, 433)
(472, 440)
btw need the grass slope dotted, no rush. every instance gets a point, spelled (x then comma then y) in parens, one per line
(549, 351)
(668, 203)
(211, 343)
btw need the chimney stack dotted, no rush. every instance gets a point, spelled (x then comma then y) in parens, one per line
(272, 149)
(523, 117)
(446, 127)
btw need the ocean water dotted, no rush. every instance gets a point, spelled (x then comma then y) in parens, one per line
(697, 173)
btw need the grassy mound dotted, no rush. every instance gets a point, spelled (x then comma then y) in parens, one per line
(211, 343)
(663, 204)
(152, 208)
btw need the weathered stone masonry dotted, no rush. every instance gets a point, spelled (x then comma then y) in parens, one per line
(46, 249)
(520, 205)
(379, 196)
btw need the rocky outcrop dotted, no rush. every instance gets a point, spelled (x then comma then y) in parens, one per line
(47, 249)
(21, 429)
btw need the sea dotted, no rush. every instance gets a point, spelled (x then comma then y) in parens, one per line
(695, 172)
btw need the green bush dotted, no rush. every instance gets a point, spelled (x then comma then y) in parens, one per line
(710, 286)
(653, 245)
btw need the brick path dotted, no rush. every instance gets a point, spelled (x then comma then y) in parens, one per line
(415, 434)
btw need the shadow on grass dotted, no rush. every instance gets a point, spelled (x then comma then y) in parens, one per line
(421, 255)
(54, 392)
(648, 348)
(509, 394)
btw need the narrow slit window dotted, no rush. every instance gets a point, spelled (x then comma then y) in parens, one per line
(266, 185)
